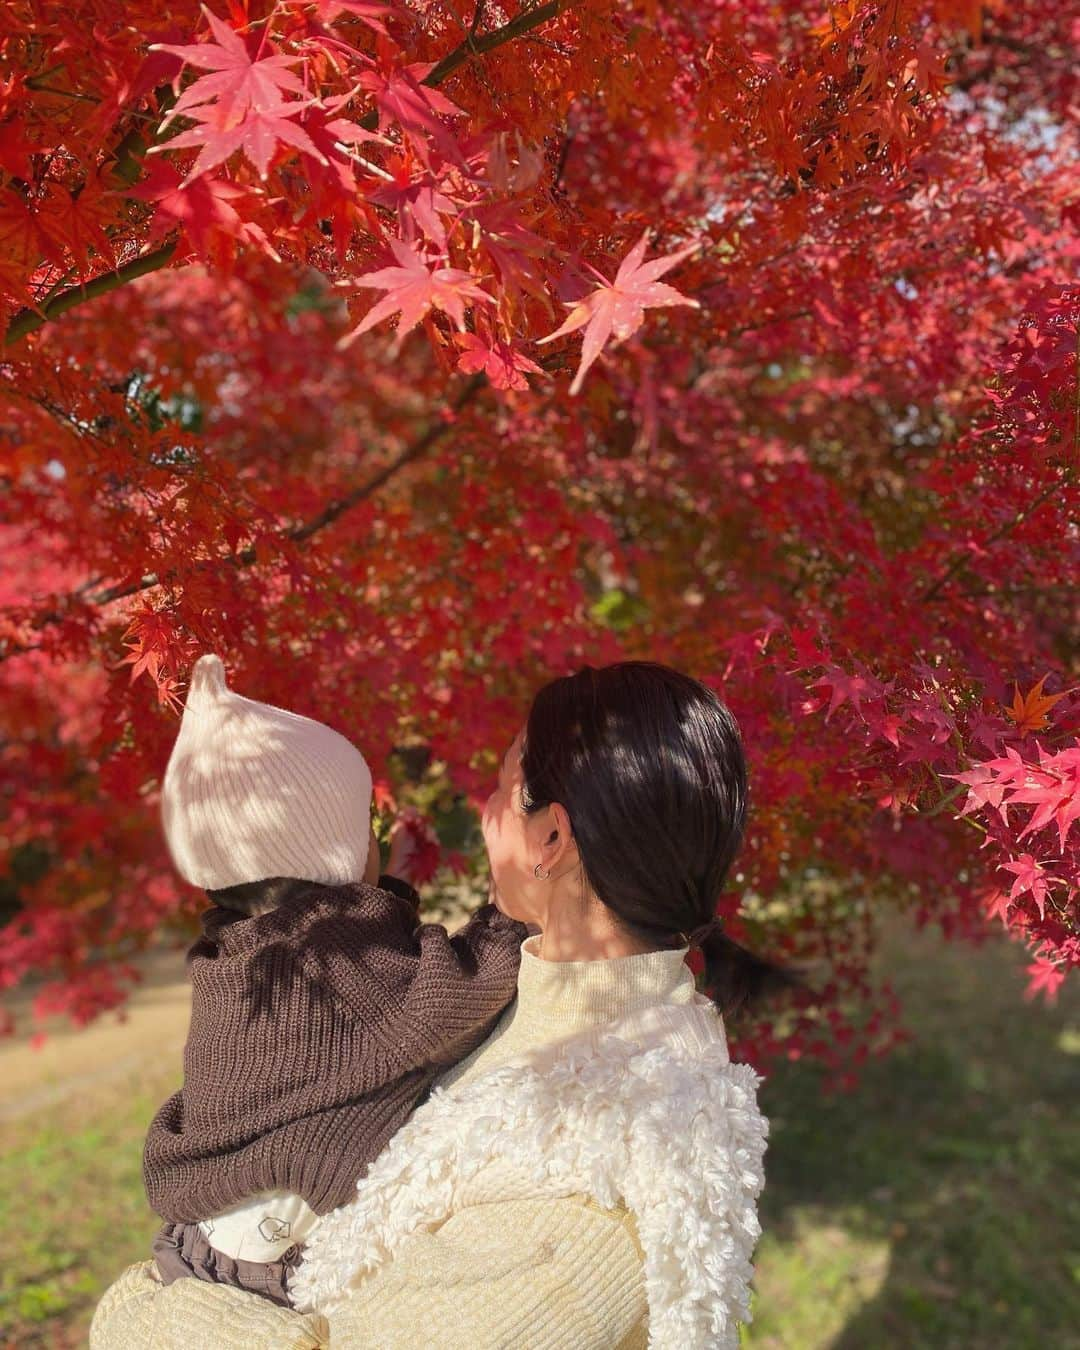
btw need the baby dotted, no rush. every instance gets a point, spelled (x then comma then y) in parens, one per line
(322, 1008)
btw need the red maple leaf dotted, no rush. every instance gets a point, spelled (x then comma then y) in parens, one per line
(76, 221)
(326, 11)
(513, 249)
(847, 688)
(415, 107)
(151, 637)
(1054, 789)
(258, 133)
(1029, 877)
(1044, 976)
(238, 106)
(997, 907)
(616, 309)
(26, 237)
(238, 81)
(988, 780)
(205, 209)
(417, 203)
(414, 289)
(415, 850)
(15, 149)
(502, 365)
(808, 647)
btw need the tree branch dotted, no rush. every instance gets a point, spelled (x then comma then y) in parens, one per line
(477, 46)
(28, 320)
(336, 509)
(959, 559)
(297, 533)
(1031, 588)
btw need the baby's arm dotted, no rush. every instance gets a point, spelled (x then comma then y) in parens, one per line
(423, 991)
(463, 981)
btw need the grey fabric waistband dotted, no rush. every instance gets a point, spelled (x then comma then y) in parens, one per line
(182, 1250)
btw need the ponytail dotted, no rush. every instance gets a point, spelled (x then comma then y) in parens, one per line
(736, 980)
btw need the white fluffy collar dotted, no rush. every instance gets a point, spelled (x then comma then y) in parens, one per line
(664, 1122)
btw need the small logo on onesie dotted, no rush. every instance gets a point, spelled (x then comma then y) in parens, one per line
(273, 1229)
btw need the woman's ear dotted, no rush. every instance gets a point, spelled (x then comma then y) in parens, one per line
(559, 837)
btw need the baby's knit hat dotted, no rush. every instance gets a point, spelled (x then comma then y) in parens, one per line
(252, 791)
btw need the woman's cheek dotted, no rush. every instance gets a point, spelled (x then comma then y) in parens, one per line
(487, 823)
(486, 815)
(498, 839)
(490, 832)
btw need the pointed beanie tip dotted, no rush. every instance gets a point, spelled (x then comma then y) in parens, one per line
(207, 679)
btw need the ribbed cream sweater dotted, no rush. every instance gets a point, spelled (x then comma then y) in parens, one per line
(557, 999)
(507, 1268)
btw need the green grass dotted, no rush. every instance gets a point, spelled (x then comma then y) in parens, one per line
(938, 1206)
(72, 1209)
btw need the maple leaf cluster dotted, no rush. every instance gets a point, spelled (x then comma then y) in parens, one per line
(410, 355)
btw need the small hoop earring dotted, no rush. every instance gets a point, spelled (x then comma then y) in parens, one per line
(536, 873)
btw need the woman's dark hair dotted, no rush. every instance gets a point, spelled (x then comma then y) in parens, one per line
(649, 765)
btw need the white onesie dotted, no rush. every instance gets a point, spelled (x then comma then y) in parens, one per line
(262, 1228)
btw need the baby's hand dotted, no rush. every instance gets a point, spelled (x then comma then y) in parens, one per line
(402, 848)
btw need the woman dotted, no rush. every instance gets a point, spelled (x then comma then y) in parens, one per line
(588, 1176)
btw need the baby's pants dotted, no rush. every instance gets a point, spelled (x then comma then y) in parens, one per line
(181, 1249)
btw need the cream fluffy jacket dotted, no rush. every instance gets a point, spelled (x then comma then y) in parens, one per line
(598, 1191)
(667, 1125)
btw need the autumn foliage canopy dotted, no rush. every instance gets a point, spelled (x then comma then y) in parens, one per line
(410, 354)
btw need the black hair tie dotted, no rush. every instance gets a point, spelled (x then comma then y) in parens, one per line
(705, 930)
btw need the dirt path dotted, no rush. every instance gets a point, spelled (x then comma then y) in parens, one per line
(152, 1027)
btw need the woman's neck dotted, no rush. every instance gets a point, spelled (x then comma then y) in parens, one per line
(559, 999)
(589, 937)
(582, 991)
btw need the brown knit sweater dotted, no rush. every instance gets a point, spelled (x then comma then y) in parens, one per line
(316, 1029)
